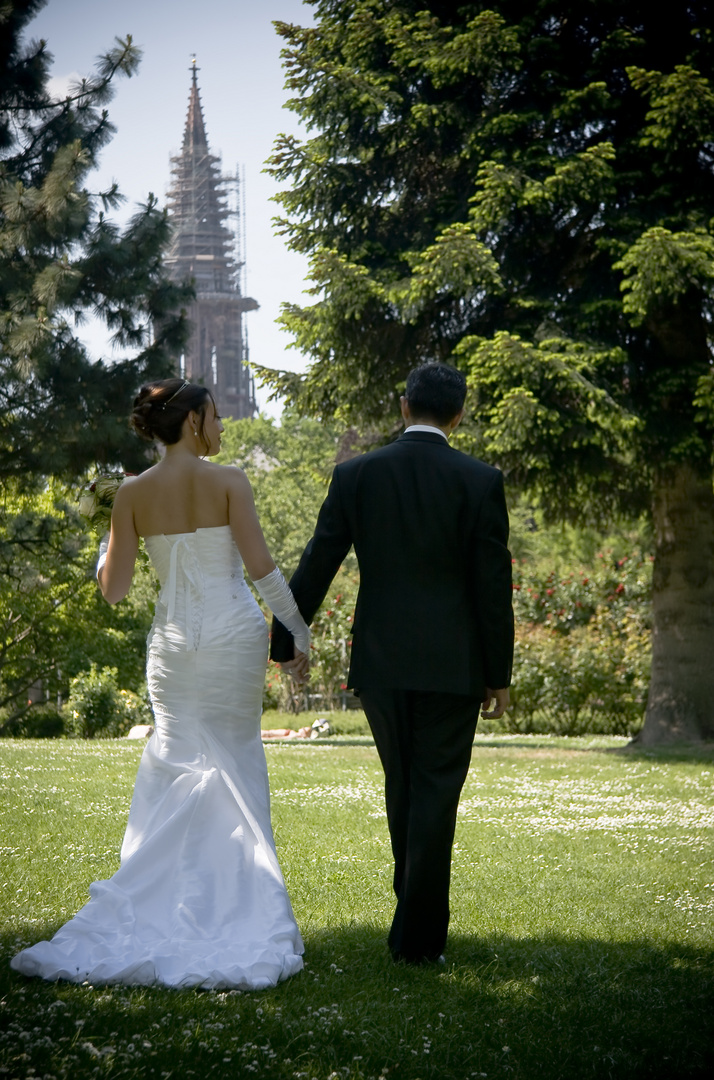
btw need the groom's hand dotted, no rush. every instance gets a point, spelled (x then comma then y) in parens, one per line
(298, 667)
(503, 700)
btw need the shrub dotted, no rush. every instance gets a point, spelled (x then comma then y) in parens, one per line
(582, 660)
(329, 656)
(38, 722)
(331, 643)
(97, 708)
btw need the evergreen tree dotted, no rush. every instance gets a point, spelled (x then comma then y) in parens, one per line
(61, 260)
(524, 188)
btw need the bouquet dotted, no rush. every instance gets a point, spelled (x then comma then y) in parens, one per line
(96, 500)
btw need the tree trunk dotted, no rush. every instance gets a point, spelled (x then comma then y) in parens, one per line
(680, 706)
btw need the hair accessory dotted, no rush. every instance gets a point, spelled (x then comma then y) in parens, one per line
(183, 386)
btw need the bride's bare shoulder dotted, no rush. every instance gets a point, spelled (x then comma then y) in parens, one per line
(229, 474)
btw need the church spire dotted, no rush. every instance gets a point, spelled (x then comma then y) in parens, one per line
(204, 249)
(194, 136)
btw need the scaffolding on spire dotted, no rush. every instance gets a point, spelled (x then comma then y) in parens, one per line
(205, 249)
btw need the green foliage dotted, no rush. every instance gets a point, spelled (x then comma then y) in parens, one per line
(62, 260)
(52, 616)
(543, 408)
(44, 586)
(329, 655)
(583, 644)
(526, 192)
(332, 641)
(664, 266)
(289, 466)
(97, 708)
(38, 722)
(595, 680)
(528, 195)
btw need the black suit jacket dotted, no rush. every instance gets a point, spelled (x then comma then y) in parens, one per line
(430, 530)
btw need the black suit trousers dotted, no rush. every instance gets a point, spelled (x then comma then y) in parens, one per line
(424, 741)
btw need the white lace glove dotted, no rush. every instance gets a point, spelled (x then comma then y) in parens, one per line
(274, 590)
(103, 548)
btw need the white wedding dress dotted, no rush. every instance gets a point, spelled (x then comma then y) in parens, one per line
(199, 899)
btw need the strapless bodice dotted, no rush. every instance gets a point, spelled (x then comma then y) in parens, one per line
(213, 551)
(201, 576)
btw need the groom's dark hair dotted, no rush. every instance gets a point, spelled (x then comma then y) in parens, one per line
(435, 391)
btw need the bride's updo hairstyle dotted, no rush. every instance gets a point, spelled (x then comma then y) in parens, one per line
(160, 409)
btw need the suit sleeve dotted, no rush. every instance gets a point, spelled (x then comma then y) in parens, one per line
(320, 561)
(493, 587)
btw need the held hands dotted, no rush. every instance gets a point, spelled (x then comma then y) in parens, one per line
(298, 667)
(503, 700)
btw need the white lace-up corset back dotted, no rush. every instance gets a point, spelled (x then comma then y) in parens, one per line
(196, 570)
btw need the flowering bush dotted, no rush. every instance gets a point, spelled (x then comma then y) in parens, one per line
(582, 655)
(564, 602)
(332, 641)
(329, 654)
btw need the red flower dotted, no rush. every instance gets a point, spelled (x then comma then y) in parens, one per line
(338, 597)
(343, 686)
(620, 589)
(550, 592)
(329, 613)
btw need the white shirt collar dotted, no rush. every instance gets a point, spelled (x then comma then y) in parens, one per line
(426, 427)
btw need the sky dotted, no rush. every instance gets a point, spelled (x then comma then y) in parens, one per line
(241, 83)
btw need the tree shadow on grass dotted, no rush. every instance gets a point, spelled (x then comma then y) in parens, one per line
(672, 753)
(702, 753)
(564, 1007)
(537, 1008)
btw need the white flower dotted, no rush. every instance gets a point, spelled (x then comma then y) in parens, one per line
(86, 504)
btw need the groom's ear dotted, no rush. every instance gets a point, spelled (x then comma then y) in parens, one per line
(404, 405)
(453, 424)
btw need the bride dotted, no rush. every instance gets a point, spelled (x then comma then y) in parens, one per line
(198, 899)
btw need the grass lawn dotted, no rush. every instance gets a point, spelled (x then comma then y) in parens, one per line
(582, 940)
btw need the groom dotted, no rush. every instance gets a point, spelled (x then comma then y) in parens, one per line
(433, 629)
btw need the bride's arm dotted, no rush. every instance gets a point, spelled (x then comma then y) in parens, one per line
(259, 563)
(115, 574)
(243, 520)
